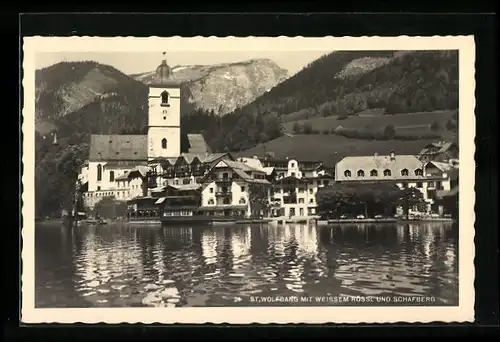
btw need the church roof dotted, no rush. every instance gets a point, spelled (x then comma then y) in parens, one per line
(197, 144)
(118, 147)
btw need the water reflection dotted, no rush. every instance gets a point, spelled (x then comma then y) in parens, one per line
(211, 266)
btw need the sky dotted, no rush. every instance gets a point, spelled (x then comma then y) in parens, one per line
(137, 62)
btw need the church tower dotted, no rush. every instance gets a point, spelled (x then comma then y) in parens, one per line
(164, 114)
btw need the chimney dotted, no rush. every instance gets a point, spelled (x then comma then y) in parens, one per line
(375, 154)
(392, 155)
(255, 157)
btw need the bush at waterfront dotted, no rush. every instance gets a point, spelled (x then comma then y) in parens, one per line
(367, 199)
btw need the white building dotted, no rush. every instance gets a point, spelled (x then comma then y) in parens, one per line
(295, 184)
(232, 188)
(403, 170)
(118, 164)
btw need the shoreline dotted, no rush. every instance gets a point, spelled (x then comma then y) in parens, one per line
(424, 220)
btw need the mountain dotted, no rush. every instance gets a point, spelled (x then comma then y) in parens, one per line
(223, 87)
(349, 82)
(361, 103)
(78, 97)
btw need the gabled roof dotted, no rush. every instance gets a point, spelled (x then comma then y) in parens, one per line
(241, 170)
(445, 167)
(197, 144)
(184, 187)
(438, 147)
(215, 156)
(243, 166)
(140, 171)
(118, 147)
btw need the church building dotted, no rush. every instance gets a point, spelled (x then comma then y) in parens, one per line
(118, 165)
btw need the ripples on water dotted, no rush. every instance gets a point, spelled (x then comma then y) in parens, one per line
(214, 266)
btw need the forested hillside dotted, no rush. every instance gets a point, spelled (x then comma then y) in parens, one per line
(397, 82)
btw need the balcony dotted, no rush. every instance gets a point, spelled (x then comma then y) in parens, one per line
(223, 180)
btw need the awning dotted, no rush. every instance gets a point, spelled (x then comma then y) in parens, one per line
(160, 200)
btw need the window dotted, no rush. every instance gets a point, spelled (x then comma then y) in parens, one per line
(293, 174)
(419, 184)
(211, 202)
(242, 189)
(311, 200)
(176, 182)
(99, 172)
(211, 190)
(361, 173)
(226, 201)
(347, 173)
(404, 172)
(419, 172)
(111, 176)
(387, 172)
(164, 143)
(431, 185)
(373, 173)
(98, 188)
(292, 165)
(311, 191)
(301, 190)
(225, 175)
(242, 201)
(164, 98)
(301, 200)
(186, 181)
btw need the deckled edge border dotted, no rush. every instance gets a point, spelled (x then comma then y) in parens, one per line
(30, 314)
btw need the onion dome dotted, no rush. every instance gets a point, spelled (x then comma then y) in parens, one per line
(163, 75)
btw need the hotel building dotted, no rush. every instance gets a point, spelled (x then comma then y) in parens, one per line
(403, 170)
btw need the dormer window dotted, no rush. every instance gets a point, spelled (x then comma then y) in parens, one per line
(373, 173)
(361, 173)
(164, 99)
(387, 173)
(419, 172)
(404, 172)
(347, 173)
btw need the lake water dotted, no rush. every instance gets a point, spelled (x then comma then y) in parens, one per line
(124, 266)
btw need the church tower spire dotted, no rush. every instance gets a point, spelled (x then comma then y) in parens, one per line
(164, 133)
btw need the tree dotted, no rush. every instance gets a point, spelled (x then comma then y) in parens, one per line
(108, 207)
(368, 198)
(408, 198)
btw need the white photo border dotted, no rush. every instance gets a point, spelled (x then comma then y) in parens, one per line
(464, 312)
